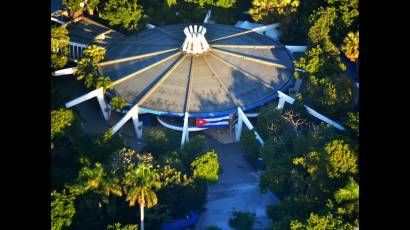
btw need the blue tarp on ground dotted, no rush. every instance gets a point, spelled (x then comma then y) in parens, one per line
(181, 223)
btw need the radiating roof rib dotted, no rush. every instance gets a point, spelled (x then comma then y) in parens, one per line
(143, 69)
(243, 71)
(135, 57)
(249, 58)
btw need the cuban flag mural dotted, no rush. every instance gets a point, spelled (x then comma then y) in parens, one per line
(212, 122)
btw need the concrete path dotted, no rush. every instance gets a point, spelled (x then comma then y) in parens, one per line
(237, 188)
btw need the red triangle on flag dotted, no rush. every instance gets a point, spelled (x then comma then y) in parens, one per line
(200, 122)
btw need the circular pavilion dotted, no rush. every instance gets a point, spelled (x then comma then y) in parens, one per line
(203, 71)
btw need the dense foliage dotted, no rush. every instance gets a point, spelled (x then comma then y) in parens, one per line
(125, 13)
(206, 167)
(242, 220)
(62, 209)
(59, 47)
(87, 67)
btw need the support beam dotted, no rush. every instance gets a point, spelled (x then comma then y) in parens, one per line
(116, 61)
(311, 111)
(249, 58)
(149, 26)
(66, 71)
(143, 69)
(100, 97)
(243, 71)
(294, 49)
(243, 46)
(132, 113)
(242, 118)
(185, 132)
(207, 17)
(58, 21)
(137, 125)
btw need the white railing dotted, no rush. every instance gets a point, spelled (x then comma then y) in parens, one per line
(75, 51)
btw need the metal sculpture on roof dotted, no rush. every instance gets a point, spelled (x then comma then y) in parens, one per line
(195, 41)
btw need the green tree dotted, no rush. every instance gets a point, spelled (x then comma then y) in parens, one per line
(104, 82)
(192, 149)
(169, 139)
(242, 220)
(59, 47)
(353, 122)
(118, 102)
(334, 160)
(350, 46)
(206, 167)
(124, 13)
(73, 5)
(326, 222)
(91, 5)
(118, 226)
(266, 10)
(62, 209)
(251, 147)
(61, 120)
(348, 193)
(65, 125)
(140, 186)
(218, 3)
(96, 179)
(87, 67)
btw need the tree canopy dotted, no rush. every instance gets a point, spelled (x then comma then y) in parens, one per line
(62, 209)
(206, 167)
(59, 47)
(124, 13)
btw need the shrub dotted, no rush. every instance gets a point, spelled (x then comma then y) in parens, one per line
(251, 147)
(242, 220)
(193, 149)
(206, 167)
(162, 141)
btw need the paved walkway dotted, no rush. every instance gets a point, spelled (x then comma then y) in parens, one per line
(237, 188)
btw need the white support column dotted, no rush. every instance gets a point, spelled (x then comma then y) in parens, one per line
(238, 128)
(185, 132)
(207, 17)
(65, 71)
(95, 93)
(294, 49)
(132, 113)
(323, 118)
(137, 125)
(149, 26)
(249, 125)
(103, 105)
(281, 103)
(56, 20)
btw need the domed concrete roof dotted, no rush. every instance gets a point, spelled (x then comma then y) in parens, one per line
(240, 69)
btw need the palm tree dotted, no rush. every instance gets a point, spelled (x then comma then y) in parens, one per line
(140, 186)
(351, 46)
(97, 180)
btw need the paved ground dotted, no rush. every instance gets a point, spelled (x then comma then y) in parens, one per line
(237, 188)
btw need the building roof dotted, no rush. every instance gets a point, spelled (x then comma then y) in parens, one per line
(241, 69)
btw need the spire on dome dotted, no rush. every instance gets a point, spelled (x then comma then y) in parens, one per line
(195, 41)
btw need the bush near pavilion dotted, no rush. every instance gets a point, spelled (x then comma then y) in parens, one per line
(242, 220)
(206, 167)
(59, 47)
